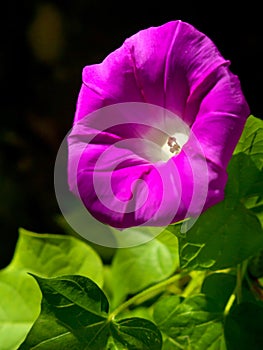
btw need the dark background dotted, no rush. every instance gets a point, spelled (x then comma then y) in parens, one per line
(45, 45)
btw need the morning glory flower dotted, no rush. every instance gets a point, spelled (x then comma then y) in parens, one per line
(156, 124)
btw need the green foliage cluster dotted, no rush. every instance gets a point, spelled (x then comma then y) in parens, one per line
(197, 290)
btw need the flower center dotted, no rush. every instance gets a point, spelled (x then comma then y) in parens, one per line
(174, 146)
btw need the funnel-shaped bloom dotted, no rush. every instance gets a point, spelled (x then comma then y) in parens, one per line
(114, 166)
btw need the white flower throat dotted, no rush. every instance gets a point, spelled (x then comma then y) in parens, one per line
(160, 136)
(156, 147)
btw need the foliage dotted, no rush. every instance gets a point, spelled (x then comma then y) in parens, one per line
(194, 290)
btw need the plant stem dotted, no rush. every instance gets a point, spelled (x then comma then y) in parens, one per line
(197, 278)
(145, 294)
(230, 303)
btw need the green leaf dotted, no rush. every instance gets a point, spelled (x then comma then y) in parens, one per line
(246, 167)
(245, 179)
(222, 237)
(194, 323)
(19, 307)
(133, 269)
(219, 287)
(50, 255)
(136, 334)
(73, 308)
(245, 184)
(243, 327)
(251, 141)
(46, 255)
(74, 315)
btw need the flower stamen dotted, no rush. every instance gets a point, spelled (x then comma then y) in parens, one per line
(174, 146)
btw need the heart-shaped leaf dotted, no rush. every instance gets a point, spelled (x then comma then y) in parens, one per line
(194, 323)
(222, 237)
(50, 255)
(74, 315)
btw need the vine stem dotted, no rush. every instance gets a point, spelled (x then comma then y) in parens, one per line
(145, 294)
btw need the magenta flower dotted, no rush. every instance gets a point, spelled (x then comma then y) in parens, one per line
(121, 178)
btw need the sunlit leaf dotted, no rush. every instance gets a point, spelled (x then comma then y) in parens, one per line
(19, 307)
(135, 268)
(47, 255)
(50, 255)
